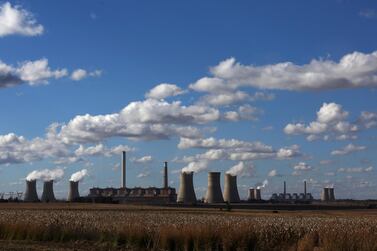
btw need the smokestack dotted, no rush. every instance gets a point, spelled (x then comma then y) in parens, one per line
(124, 169)
(166, 175)
(230, 189)
(251, 194)
(325, 194)
(48, 191)
(73, 193)
(214, 194)
(31, 191)
(305, 188)
(285, 188)
(186, 189)
(257, 194)
(331, 193)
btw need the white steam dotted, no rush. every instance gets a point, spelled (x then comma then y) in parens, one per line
(46, 174)
(195, 167)
(77, 176)
(264, 184)
(242, 169)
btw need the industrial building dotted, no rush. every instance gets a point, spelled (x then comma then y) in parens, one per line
(153, 195)
(294, 197)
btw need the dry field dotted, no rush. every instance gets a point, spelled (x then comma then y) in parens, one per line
(121, 227)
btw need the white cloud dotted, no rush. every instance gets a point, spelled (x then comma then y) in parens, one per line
(80, 74)
(330, 121)
(143, 174)
(143, 160)
(368, 13)
(350, 148)
(368, 119)
(355, 169)
(273, 173)
(288, 152)
(17, 21)
(302, 166)
(164, 90)
(242, 169)
(351, 71)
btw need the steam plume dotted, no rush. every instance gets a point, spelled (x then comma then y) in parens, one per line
(264, 183)
(79, 175)
(241, 169)
(46, 174)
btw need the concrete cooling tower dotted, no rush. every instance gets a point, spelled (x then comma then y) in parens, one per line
(73, 193)
(257, 194)
(186, 192)
(48, 191)
(251, 195)
(325, 194)
(31, 191)
(230, 189)
(214, 194)
(331, 193)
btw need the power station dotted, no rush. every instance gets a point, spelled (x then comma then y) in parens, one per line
(167, 195)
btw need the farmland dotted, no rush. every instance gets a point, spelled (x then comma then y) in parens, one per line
(120, 227)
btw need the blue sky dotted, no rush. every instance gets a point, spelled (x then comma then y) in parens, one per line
(294, 83)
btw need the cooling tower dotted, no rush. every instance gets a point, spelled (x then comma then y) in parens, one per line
(166, 185)
(331, 193)
(251, 195)
(31, 191)
(230, 189)
(214, 194)
(73, 193)
(48, 191)
(186, 192)
(257, 194)
(325, 194)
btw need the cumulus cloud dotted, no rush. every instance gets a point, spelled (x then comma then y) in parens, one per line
(288, 152)
(242, 169)
(353, 70)
(78, 176)
(331, 120)
(273, 173)
(80, 74)
(302, 166)
(149, 119)
(14, 20)
(348, 149)
(164, 90)
(143, 160)
(355, 169)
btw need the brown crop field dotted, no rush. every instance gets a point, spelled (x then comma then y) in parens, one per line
(121, 227)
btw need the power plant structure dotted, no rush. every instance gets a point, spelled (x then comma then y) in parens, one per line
(186, 192)
(123, 194)
(31, 191)
(251, 195)
(328, 194)
(73, 194)
(230, 189)
(294, 197)
(48, 191)
(214, 194)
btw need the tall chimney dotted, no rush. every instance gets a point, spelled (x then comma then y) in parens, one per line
(124, 169)
(230, 189)
(166, 175)
(285, 189)
(48, 191)
(305, 188)
(186, 192)
(31, 191)
(73, 193)
(251, 194)
(214, 194)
